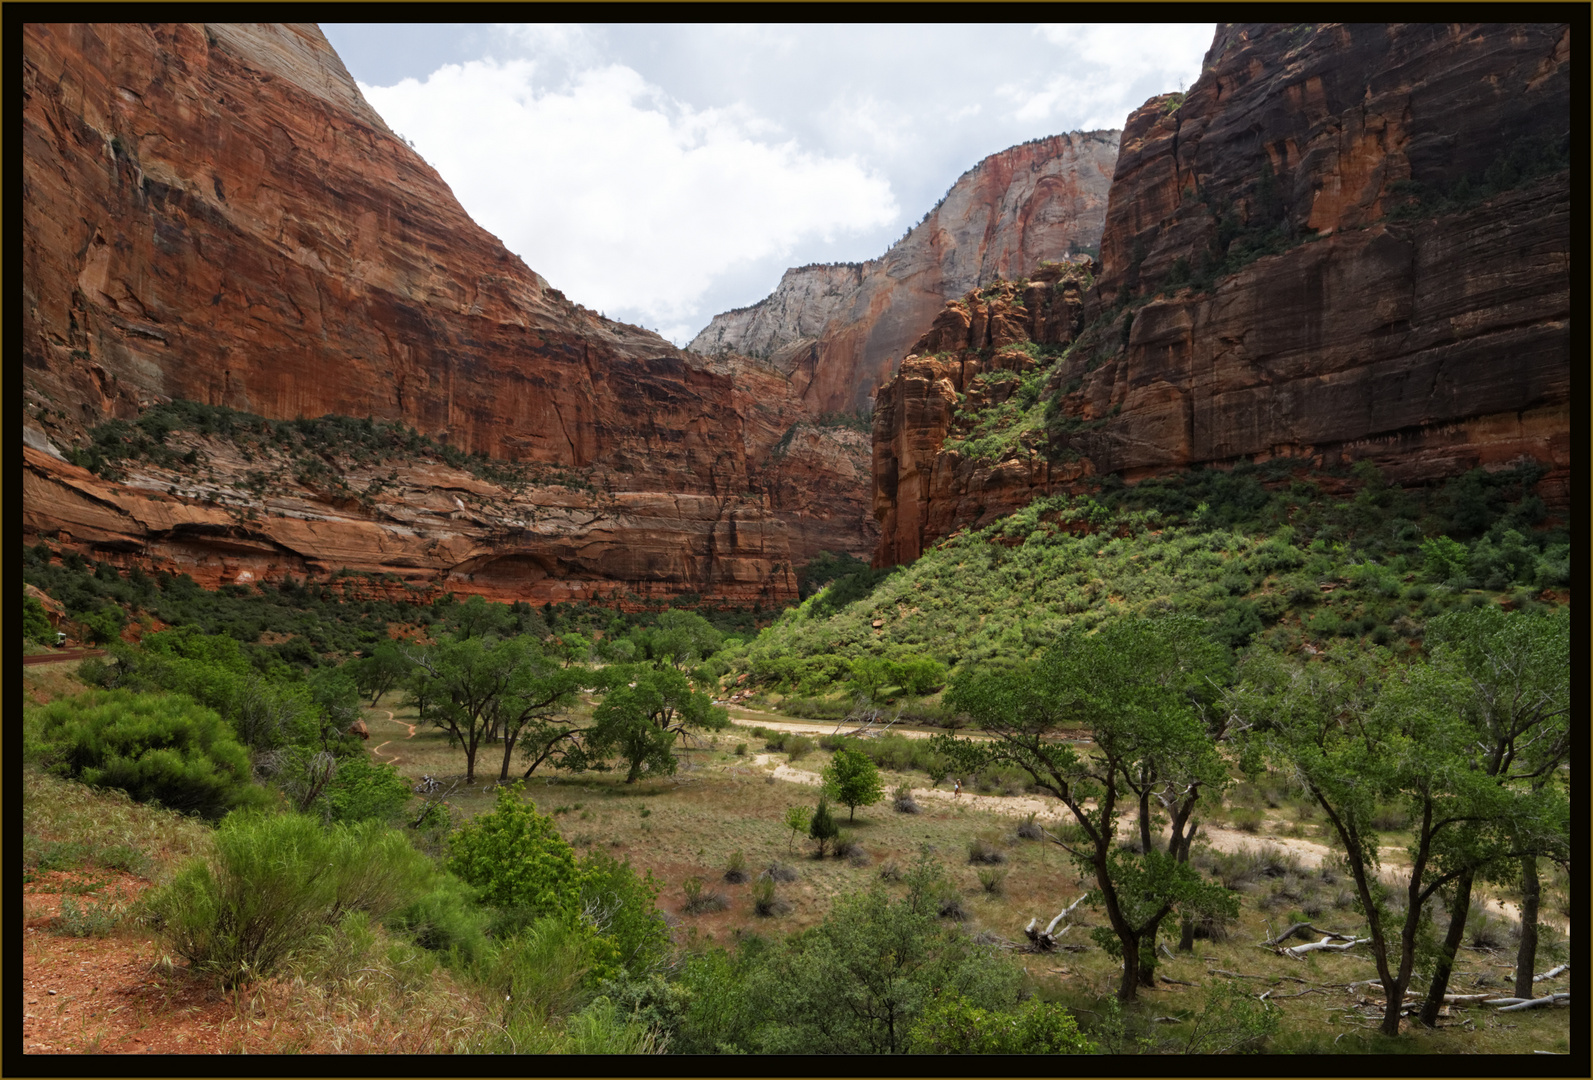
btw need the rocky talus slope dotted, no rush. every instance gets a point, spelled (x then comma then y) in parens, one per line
(840, 330)
(1344, 243)
(214, 213)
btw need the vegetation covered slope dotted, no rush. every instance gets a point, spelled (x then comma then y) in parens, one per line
(1270, 552)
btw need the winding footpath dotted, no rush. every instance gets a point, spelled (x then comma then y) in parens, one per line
(394, 759)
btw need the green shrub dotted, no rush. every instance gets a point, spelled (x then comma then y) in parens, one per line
(35, 623)
(366, 789)
(954, 1026)
(274, 882)
(447, 920)
(516, 857)
(620, 907)
(156, 747)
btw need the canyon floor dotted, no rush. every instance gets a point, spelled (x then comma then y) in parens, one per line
(120, 994)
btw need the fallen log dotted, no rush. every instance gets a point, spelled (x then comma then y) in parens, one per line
(1299, 929)
(1552, 973)
(1535, 1003)
(1299, 951)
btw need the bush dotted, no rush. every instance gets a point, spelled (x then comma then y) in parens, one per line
(35, 623)
(446, 920)
(699, 900)
(904, 801)
(156, 747)
(736, 868)
(1029, 829)
(274, 883)
(953, 1026)
(363, 788)
(797, 747)
(620, 907)
(516, 857)
(779, 871)
(992, 881)
(764, 900)
(981, 850)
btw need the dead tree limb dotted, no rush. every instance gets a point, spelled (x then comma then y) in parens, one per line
(1552, 973)
(1299, 929)
(1535, 1003)
(1299, 951)
(1047, 940)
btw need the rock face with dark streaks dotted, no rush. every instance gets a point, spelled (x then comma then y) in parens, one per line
(214, 213)
(840, 330)
(1344, 243)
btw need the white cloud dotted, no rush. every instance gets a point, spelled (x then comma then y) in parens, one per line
(1099, 63)
(624, 198)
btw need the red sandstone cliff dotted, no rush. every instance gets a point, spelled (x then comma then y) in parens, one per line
(840, 330)
(1428, 337)
(215, 213)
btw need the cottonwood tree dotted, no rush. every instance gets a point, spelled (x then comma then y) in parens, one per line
(379, 672)
(1356, 735)
(640, 719)
(1139, 687)
(482, 689)
(1507, 676)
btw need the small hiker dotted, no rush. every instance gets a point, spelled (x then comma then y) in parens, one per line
(956, 788)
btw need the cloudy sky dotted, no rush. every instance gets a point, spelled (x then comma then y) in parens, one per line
(664, 173)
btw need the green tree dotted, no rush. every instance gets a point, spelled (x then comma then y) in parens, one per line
(479, 618)
(797, 819)
(640, 719)
(379, 672)
(1357, 735)
(1141, 688)
(482, 690)
(823, 828)
(1507, 676)
(516, 857)
(853, 779)
(859, 981)
(679, 639)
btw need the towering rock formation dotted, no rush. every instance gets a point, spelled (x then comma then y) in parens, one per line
(1345, 242)
(215, 213)
(839, 330)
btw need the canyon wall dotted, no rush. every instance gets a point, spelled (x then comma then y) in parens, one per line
(1344, 243)
(214, 213)
(840, 330)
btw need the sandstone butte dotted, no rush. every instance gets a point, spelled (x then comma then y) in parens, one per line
(215, 213)
(1428, 343)
(839, 330)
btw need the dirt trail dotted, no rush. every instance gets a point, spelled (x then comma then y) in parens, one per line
(393, 759)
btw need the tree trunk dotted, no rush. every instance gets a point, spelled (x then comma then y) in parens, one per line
(1147, 954)
(1186, 937)
(1127, 990)
(1459, 908)
(1527, 954)
(1396, 1002)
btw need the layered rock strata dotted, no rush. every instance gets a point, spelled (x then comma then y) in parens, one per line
(214, 213)
(840, 330)
(1408, 184)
